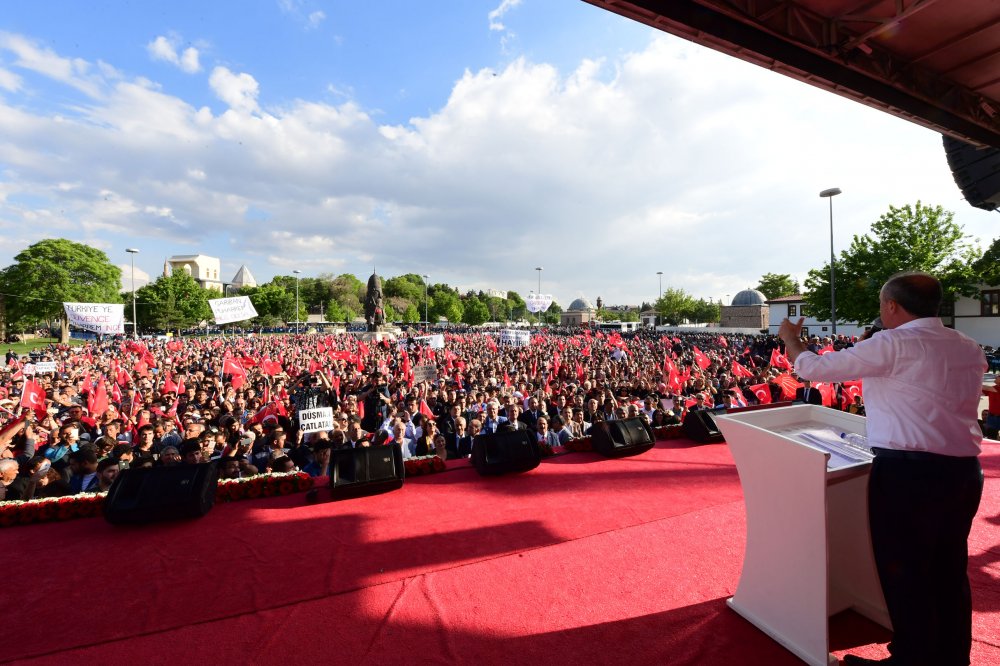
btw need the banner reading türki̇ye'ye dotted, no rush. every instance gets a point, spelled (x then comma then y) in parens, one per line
(97, 317)
(228, 310)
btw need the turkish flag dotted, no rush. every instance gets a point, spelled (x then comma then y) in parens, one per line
(826, 390)
(33, 396)
(97, 400)
(270, 409)
(825, 350)
(763, 393)
(740, 372)
(779, 360)
(233, 368)
(851, 389)
(116, 393)
(168, 385)
(701, 359)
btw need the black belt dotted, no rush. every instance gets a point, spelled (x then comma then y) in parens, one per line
(916, 455)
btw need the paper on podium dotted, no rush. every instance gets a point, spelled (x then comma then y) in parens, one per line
(842, 452)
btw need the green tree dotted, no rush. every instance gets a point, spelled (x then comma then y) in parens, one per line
(54, 271)
(174, 302)
(445, 302)
(674, 306)
(475, 312)
(774, 285)
(349, 293)
(704, 311)
(518, 308)
(409, 286)
(551, 316)
(411, 316)
(924, 238)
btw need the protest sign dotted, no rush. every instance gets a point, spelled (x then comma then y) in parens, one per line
(432, 341)
(97, 317)
(515, 338)
(314, 420)
(538, 302)
(424, 373)
(45, 366)
(228, 310)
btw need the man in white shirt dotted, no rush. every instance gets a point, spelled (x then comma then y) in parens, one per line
(922, 388)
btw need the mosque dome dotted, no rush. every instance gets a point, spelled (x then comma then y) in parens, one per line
(580, 305)
(749, 297)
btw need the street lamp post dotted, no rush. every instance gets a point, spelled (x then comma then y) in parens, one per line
(830, 194)
(297, 273)
(135, 324)
(425, 277)
(539, 292)
(660, 275)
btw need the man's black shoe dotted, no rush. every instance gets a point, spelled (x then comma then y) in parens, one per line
(854, 660)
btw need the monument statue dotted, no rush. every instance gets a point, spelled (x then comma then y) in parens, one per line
(374, 312)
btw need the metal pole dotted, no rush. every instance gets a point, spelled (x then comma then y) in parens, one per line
(426, 322)
(135, 324)
(296, 271)
(660, 275)
(830, 194)
(539, 292)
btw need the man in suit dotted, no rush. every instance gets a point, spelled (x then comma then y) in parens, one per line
(808, 394)
(530, 417)
(514, 421)
(492, 421)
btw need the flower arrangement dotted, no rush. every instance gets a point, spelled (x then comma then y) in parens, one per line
(545, 449)
(83, 505)
(669, 432)
(262, 485)
(579, 444)
(424, 465)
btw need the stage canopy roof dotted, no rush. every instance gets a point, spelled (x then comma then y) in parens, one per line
(934, 62)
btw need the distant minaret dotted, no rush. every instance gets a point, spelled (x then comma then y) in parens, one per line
(599, 303)
(166, 268)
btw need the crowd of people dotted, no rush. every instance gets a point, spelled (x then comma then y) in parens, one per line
(123, 403)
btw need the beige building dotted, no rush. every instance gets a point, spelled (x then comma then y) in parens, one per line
(748, 309)
(204, 269)
(579, 313)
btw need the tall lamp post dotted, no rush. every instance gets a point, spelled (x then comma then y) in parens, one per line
(539, 292)
(297, 272)
(425, 277)
(660, 275)
(135, 324)
(830, 194)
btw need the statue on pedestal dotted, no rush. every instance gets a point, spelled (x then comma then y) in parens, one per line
(374, 312)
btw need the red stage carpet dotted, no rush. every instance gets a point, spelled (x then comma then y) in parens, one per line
(583, 560)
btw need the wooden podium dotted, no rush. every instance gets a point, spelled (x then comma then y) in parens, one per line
(808, 551)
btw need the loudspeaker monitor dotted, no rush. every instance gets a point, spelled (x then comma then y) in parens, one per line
(622, 437)
(365, 470)
(976, 171)
(149, 494)
(699, 426)
(506, 451)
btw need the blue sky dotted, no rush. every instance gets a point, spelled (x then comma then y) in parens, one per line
(471, 141)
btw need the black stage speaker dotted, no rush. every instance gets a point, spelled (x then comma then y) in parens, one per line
(506, 451)
(622, 437)
(700, 427)
(366, 470)
(976, 172)
(149, 494)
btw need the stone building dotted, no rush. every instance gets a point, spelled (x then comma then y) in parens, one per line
(748, 309)
(579, 313)
(204, 269)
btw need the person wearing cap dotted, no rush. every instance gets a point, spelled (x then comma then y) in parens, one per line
(926, 482)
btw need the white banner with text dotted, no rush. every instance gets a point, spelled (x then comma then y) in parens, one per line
(228, 310)
(97, 317)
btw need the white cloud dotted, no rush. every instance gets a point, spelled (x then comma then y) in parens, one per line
(165, 49)
(239, 91)
(74, 72)
(315, 18)
(495, 16)
(670, 158)
(9, 80)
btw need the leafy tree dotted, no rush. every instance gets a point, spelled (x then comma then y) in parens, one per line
(349, 293)
(174, 302)
(518, 308)
(409, 286)
(446, 303)
(988, 266)
(774, 285)
(674, 306)
(475, 312)
(923, 238)
(410, 315)
(704, 311)
(54, 271)
(551, 316)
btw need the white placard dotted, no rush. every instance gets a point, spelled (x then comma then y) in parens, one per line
(515, 338)
(228, 310)
(315, 420)
(425, 373)
(45, 366)
(97, 317)
(538, 302)
(432, 341)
